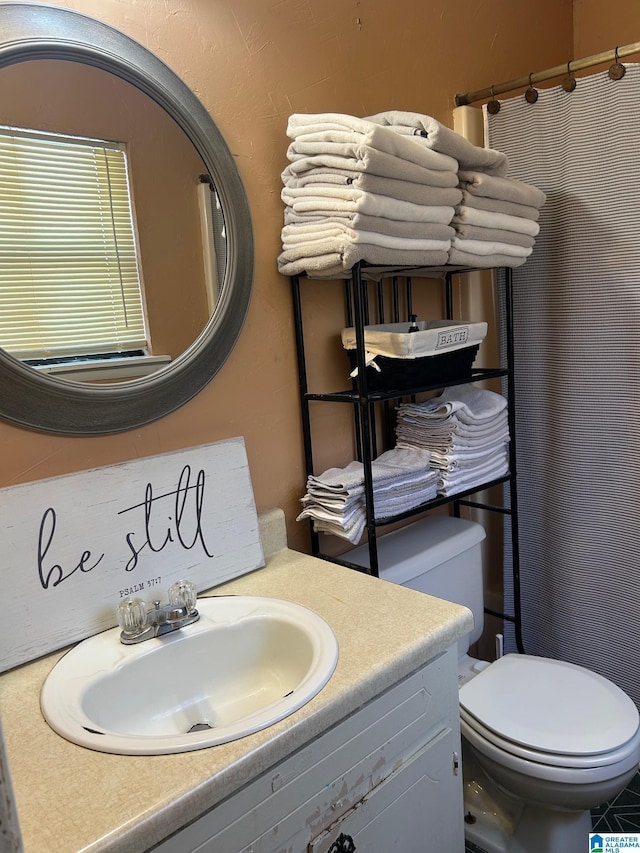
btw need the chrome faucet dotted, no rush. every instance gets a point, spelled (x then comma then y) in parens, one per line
(139, 624)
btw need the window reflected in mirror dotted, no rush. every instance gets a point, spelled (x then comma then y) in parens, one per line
(112, 237)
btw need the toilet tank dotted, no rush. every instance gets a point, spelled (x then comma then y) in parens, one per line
(439, 555)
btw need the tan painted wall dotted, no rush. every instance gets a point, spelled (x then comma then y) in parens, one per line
(252, 63)
(600, 26)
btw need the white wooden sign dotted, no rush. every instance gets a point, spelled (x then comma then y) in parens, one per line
(72, 547)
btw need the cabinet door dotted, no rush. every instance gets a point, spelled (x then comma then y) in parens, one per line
(408, 811)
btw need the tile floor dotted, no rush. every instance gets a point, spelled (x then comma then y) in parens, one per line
(620, 815)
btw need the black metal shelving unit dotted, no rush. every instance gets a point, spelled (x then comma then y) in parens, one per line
(360, 302)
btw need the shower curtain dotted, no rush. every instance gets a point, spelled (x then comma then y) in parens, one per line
(577, 373)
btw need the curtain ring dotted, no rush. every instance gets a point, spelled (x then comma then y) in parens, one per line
(617, 70)
(531, 95)
(569, 82)
(493, 106)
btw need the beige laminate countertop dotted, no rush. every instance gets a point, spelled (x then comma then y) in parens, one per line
(72, 799)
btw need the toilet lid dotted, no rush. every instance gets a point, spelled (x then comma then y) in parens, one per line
(550, 706)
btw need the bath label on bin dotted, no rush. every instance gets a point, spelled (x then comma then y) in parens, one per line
(71, 547)
(455, 337)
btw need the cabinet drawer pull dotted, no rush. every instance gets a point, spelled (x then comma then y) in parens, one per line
(342, 844)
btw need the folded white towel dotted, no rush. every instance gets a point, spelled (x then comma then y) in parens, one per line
(496, 205)
(507, 189)
(403, 190)
(343, 245)
(311, 137)
(416, 434)
(458, 460)
(301, 232)
(474, 261)
(445, 140)
(402, 480)
(450, 483)
(339, 264)
(411, 435)
(471, 405)
(376, 163)
(343, 201)
(339, 240)
(496, 235)
(488, 219)
(488, 247)
(364, 222)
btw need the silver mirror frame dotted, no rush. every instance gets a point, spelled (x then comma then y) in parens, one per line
(33, 31)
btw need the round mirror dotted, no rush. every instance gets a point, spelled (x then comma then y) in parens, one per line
(87, 81)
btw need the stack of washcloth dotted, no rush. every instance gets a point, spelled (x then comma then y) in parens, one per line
(402, 480)
(357, 191)
(466, 432)
(496, 221)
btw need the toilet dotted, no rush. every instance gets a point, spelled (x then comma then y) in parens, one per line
(543, 741)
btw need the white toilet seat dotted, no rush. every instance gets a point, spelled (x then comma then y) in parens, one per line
(550, 720)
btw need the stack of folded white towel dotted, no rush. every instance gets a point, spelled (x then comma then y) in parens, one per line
(466, 432)
(356, 190)
(399, 189)
(402, 480)
(496, 221)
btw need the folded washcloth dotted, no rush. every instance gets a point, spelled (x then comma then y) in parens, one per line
(486, 262)
(488, 219)
(327, 201)
(471, 405)
(376, 163)
(496, 235)
(445, 140)
(389, 230)
(496, 205)
(337, 133)
(402, 480)
(338, 264)
(506, 189)
(459, 460)
(403, 190)
(488, 247)
(452, 482)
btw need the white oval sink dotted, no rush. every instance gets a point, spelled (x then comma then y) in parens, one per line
(247, 663)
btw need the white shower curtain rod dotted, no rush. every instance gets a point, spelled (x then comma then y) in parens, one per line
(530, 79)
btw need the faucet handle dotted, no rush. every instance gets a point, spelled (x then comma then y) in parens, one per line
(183, 594)
(132, 615)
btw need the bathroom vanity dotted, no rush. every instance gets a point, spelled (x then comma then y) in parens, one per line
(372, 760)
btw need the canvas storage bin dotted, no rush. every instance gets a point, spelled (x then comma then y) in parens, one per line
(439, 351)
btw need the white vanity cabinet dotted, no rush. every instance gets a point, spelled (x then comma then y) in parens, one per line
(385, 778)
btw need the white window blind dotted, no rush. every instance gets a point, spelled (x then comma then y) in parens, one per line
(69, 275)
